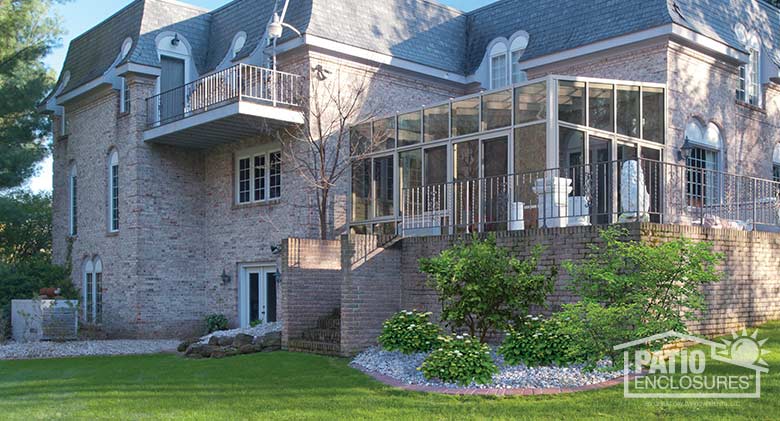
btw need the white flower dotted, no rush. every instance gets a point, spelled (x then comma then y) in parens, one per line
(459, 337)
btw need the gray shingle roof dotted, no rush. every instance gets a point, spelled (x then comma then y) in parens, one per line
(420, 31)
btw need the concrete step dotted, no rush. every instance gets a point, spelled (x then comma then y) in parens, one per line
(314, 347)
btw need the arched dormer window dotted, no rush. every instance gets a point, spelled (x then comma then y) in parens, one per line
(498, 66)
(749, 82)
(72, 201)
(517, 48)
(703, 162)
(113, 191)
(92, 291)
(238, 44)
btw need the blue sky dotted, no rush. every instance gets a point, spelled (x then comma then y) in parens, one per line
(80, 15)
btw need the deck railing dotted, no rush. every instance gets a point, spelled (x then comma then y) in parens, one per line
(236, 83)
(597, 193)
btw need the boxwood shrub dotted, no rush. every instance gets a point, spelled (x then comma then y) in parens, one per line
(460, 359)
(409, 332)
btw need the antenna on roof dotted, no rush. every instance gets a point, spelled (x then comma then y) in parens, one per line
(276, 27)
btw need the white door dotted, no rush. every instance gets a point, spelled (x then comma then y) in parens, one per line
(257, 295)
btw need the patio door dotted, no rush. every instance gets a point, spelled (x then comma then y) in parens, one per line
(171, 88)
(257, 295)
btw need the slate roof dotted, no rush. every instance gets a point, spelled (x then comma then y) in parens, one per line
(420, 31)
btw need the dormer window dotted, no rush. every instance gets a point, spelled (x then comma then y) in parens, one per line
(749, 82)
(517, 48)
(498, 66)
(238, 43)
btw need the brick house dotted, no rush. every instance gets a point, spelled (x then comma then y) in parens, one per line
(529, 118)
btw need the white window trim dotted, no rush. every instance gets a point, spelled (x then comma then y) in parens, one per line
(124, 105)
(113, 161)
(516, 49)
(73, 202)
(91, 267)
(498, 50)
(250, 155)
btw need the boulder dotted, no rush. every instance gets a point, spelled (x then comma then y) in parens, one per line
(218, 354)
(230, 351)
(204, 350)
(272, 339)
(242, 339)
(247, 349)
(186, 344)
(225, 340)
(214, 340)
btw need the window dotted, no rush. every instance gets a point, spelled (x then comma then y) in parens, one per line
(65, 124)
(703, 164)
(113, 191)
(436, 123)
(531, 103)
(259, 177)
(92, 291)
(518, 48)
(409, 131)
(73, 202)
(571, 102)
(749, 80)
(776, 173)
(497, 110)
(124, 97)
(776, 163)
(498, 66)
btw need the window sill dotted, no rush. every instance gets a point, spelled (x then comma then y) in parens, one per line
(123, 114)
(112, 233)
(750, 106)
(273, 202)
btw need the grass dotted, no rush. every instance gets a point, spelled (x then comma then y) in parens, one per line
(299, 386)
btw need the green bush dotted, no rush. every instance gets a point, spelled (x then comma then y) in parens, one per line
(538, 342)
(255, 323)
(409, 332)
(215, 322)
(460, 359)
(483, 288)
(630, 290)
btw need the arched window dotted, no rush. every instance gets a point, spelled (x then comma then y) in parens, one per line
(776, 163)
(498, 66)
(238, 43)
(92, 291)
(749, 83)
(703, 163)
(113, 191)
(517, 48)
(73, 190)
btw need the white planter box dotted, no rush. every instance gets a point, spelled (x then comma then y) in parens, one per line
(36, 320)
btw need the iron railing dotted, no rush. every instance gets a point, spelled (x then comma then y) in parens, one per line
(597, 193)
(236, 83)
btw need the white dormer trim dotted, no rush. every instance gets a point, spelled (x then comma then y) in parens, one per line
(182, 51)
(236, 45)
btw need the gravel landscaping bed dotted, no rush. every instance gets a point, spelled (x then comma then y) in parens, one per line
(33, 350)
(403, 368)
(259, 330)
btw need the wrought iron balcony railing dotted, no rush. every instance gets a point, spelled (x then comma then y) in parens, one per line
(236, 83)
(597, 193)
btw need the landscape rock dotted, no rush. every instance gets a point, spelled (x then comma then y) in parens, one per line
(271, 340)
(213, 340)
(225, 340)
(242, 339)
(247, 349)
(186, 344)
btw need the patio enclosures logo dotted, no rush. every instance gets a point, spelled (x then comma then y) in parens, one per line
(686, 373)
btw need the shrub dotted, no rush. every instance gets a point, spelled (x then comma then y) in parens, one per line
(538, 342)
(483, 289)
(409, 332)
(255, 323)
(460, 359)
(215, 322)
(631, 290)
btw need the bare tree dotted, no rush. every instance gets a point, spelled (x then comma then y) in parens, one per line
(322, 149)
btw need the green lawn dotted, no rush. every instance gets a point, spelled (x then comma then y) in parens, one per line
(298, 386)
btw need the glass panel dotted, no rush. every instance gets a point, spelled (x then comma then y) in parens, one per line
(409, 129)
(601, 174)
(384, 133)
(89, 299)
(531, 103)
(383, 186)
(702, 177)
(497, 110)
(436, 123)
(465, 160)
(270, 297)
(571, 157)
(571, 102)
(243, 180)
(275, 175)
(254, 297)
(495, 189)
(651, 169)
(628, 110)
(114, 197)
(518, 75)
(530, 159)
(626, 152)
(387, 228)
(465, 116)
(361, 182)
(360, 139)
(436, 165)
(654, 114)
(410, 173)
(260, 177)
(600, 104)
(98, 297)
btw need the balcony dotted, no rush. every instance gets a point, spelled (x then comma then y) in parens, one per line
(635, 190)
(229, 105)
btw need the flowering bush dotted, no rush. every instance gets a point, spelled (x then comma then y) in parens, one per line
(536, 342)
(460, 359)
(409, 332)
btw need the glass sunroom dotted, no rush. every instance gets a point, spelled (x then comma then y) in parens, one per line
(542, 153)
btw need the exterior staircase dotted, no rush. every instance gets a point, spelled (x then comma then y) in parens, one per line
(325, 339)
